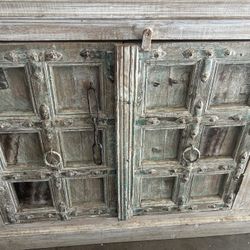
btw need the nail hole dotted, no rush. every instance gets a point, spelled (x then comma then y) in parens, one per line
(156, 84)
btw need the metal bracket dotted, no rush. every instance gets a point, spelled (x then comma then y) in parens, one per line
(146, 39)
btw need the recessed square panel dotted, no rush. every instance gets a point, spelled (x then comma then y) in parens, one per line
(167, 86)
(161, 144)
(21, 148)
(231, 85)
(33, 194)
(14, 91)
(219, 141)
(87, 192)
(208, 186)
(78, 146)
(71, 84)
(157, 189)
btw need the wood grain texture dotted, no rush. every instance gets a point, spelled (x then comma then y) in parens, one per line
(108, 229)
(87, 192)
(207, 186)
(163, 152)
(180, 29)
(58, 134)
(125, 9)
(17, 96)
(243, 199)
(123, 20)
(219, 141)
(104, 230)
(127, 61)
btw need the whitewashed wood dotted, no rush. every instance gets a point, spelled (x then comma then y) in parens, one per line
(64, 96)
(125, 9)
(74, 29)
(104, 230)
(127, 61)
(224, 140)
(84, 20)
(243, 199)
(123, 20)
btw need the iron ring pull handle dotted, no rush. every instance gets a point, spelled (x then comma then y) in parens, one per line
(94, 114)
(191, 150)
(54, 161)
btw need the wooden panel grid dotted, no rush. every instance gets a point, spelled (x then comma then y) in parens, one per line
(213, 134)
(46, 133)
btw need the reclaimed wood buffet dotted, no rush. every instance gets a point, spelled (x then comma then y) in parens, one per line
(123, 121)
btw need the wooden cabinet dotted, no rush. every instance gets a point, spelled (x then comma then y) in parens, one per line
(97, 127)
(107, 129)
(92, 133)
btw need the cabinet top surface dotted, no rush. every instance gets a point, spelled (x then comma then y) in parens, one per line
(138, 9)
(39, 20)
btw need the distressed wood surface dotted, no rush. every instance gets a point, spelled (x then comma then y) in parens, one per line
(68, 30)
(160, 174)
(125, 9)
(123, 20)
(47, 131)
(185, 137)
(243, 199)
(126, 58)
(104, 230)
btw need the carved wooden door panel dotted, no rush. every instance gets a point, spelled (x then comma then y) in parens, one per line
(57, 131)
(188, 136)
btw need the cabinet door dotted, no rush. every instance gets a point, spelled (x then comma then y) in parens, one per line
(57, 131)
(183, 126)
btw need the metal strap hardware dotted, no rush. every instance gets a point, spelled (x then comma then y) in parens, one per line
(191, 154)
(94, 114)
(146, 39)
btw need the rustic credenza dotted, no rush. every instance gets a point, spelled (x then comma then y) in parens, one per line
(123, 121)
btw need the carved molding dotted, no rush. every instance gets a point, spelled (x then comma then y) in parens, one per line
(127, 56)
(34, 55)
(236, 179)
(8, 208)
(107, 56)
(64, 212)
(52, 55)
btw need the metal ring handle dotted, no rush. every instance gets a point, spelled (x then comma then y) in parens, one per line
(191, 149)
(52, 165)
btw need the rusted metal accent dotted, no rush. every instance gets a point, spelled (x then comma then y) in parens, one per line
(52, 55)
(97, 146)
(191, 154)
(188, 53)
(206, 70)
(52, 159)
(147, 39)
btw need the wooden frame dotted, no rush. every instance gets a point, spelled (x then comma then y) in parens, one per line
(101, 230)
(78, 20)
(36, 20)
